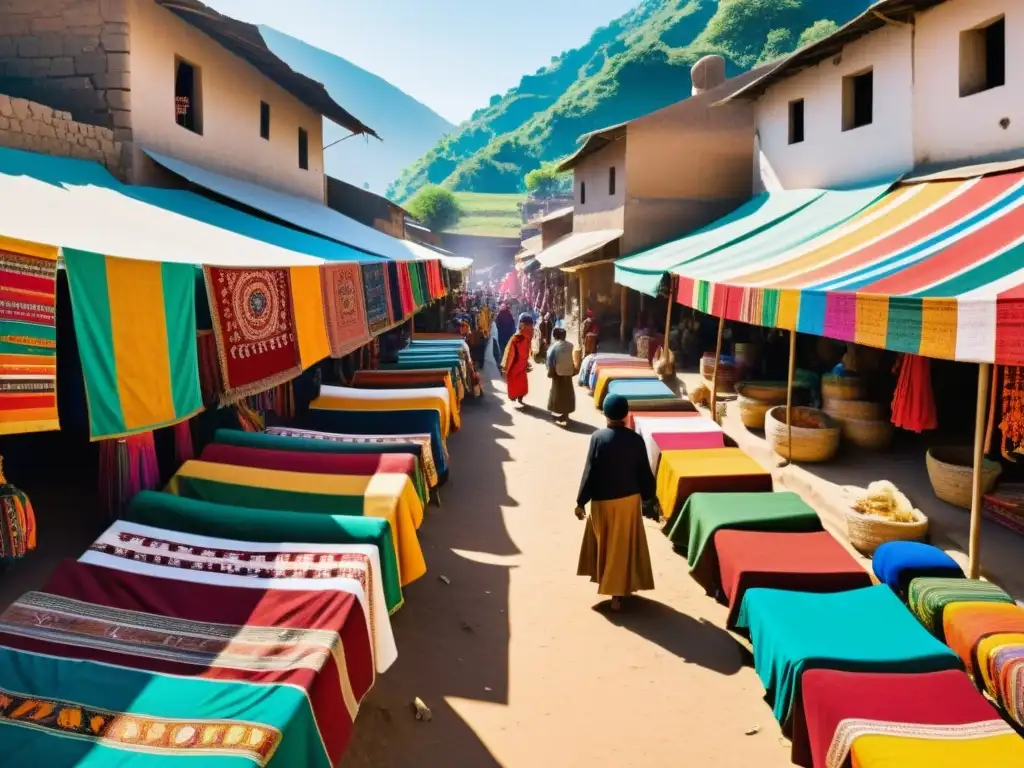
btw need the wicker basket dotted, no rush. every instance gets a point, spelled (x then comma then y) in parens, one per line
(810, 444)
(874, 435)
(861, 410)
(726, 373)
(869, 532)
(842, 387)
(768, 392)
(951, 472)
(752, 412)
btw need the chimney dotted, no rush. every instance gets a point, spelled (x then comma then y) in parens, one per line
(707, 73)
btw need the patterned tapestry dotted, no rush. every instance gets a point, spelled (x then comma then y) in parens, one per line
(28, 337)
(344, 308)
(405, 282)
(254, 324)
(398, 310)
(136, 327)
(375, 291)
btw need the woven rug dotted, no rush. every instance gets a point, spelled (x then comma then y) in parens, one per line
(345, 308)
(254, 325)
(375, 293)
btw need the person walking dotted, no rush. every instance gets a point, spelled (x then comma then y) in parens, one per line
(562, 399)
(516, 362)
(506, 326)
(617, 483)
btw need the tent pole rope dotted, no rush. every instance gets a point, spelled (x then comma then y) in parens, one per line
(789, 396)
(974, 567)
(714, 370)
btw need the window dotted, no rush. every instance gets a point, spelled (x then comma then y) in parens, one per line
(858, 100)
(303, 149)
(983, 58)
(611, 180)
(796, 121)
(264, 120)
(583, 193)
(188, 93)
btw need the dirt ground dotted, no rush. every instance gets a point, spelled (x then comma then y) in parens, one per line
(516, 658)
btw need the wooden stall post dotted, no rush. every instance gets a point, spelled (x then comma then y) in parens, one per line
(974, 566)
(714, 370)
(668, 317)
(623, 311)
(789, 395)
(583, 307)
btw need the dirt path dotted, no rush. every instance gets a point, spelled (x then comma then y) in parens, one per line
(512, 657)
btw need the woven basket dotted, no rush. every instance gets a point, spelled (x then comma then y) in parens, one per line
(874, 435)
(752, 412)
(842, 387)
(861, 410)
(951, 472)
(869, 532)
(768, 392)
(810, 444)
(726, 373)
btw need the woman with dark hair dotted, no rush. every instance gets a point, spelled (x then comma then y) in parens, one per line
(516, 362)
(506, 327)
(617, 483)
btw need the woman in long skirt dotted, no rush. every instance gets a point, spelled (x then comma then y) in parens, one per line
(562, 400)
(516, 362)
(617, 483)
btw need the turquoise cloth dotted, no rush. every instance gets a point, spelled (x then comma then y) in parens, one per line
(633, 389)
(864, 630)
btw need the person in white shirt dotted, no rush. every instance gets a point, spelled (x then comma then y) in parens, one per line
(562, 400)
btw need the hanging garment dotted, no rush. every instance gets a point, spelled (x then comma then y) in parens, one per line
(913, 403)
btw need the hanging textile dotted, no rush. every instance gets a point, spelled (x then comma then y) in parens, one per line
(405, 280)
(209, 368)
(254, 324)
(28, 337)
(416, 276)
(395, 293)
(1012, 423)
(375, 294)
(308, 303)
(913, 403)
(136, 327)
(344, 308)
(127, 465)
(17, 520)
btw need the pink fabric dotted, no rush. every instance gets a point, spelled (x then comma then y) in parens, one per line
(318, 463)
(688, 441)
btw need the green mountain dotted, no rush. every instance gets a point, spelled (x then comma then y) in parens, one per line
(636, 64)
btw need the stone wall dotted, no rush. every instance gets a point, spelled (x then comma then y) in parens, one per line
(37, 128)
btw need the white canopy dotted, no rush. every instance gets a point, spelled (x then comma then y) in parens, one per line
(576, 245)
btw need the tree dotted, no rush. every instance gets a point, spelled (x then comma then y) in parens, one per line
(817, 31)
(546, 181)
(436, 207)
(778, 43)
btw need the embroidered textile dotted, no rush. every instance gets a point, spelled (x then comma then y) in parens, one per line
(28, 338)
(345, 308)
(375, 293)
(253, 321)
(851, 729)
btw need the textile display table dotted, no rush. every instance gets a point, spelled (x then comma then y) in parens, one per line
(967, 624)
(897, 563)
(586, 365)
(454, 372)
(451, 363)
(390, 497)
(407, 380)
(352, 399)
(688, 411)
(459, 345)
(627, 364)
(682, 473)
(608, 375)
(165, 510)
(928, 598)
(681, 434)
(929, 720)
(643, 394)
(864, 630)
(801, 562)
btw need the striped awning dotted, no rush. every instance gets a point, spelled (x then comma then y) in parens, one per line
(933, 268)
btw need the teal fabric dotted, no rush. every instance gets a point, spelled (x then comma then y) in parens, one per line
(116, 689)
(864, 630)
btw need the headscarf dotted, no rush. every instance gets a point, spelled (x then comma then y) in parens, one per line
(527, 318)
(616, 408)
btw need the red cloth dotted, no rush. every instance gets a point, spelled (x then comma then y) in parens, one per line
(828, 697)
(688, 441)
(518, 358)
(323, 609)
(913, 403)
(634, 415)
(361, 464)
(800, 562)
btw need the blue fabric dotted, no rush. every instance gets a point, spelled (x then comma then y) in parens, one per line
(640, 388)
(585, 367)
(897, 563)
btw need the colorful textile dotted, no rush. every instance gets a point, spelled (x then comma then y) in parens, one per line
(913, 403)
(308, 302)
(375, 295)
(291, 439)
(875, 745)
(897, 563)
(802, 562)
(1009, 667)
(136, 327)
(608, 375)
(641, 393)
(345, 308)
(614, 553)
(831, 698)
(628, 363)
(515, 364)
(254, 324)
(928, 597)
(367, 464)
(351, 398)
(391, 497)
(680, 434)
(688, 413)
(704, 514)
(28, 337)
(965, 624)
(682, 473)
(997, 655)
(394, 289)
(863, 630)
(405, 284)
(586, 365)
(406, 380)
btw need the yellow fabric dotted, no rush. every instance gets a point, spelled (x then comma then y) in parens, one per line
(606, 376)
(614, 552)
(308, 307)
(139, 335)
(485, 321)
(789, 309)
(342, 403)
(986, 649)
(389, 496)
(907, 752)
(938, 328)
(706, 462)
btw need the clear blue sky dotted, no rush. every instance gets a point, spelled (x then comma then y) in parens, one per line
(450, 54)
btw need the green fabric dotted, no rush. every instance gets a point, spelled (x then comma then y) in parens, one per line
(927, 597)
(116, 689)
(27, 330)
(180, 302)
(694, 526)
(264, 498)
(863, 630)
(176, 513)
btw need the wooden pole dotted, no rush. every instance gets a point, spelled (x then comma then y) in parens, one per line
(623, 311)
(714, 371)
(974, 567)
(789, 395)
(668, 316)
(583, 306)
